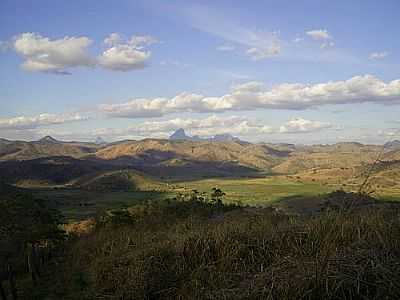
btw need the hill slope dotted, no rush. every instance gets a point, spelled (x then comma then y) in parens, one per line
(20, 150)
(153, 151)
(128, 180)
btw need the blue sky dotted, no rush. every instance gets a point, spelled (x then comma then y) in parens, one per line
(273, 71)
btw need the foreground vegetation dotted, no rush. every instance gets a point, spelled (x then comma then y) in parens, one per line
(197, 248)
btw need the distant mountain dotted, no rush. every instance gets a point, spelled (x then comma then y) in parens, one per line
(226, 137)
(48, 140)
(57, 162)
(45, 147)
(393, 145)
(99, 141)
(175, 154)
(180, 134)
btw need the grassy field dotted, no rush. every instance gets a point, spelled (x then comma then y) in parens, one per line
(258, 191)
(76, 204)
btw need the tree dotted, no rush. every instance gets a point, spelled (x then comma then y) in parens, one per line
(217, 195)
(28, 228)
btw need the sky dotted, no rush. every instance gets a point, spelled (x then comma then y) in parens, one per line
(308, 72)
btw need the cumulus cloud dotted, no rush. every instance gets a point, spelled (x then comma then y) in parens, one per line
(378, 55)
(300, 125)
(237, 125)
(212, 125)
(23, 122)
(319, 34)
(42, 54)
(113, 39)
(58, 56)
(251, 96)
(125, 55)
(242, 126)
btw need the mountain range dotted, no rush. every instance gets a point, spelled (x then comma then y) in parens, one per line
(180, 134)
(57, 162)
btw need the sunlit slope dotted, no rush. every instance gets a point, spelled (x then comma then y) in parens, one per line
(177, 152)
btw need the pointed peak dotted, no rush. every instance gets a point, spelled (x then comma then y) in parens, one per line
(48, 139)
(99, 141)
(179, 134)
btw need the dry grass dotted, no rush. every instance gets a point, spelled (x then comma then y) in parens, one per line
(196, 252)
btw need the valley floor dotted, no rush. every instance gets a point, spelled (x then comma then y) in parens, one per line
(278, 191)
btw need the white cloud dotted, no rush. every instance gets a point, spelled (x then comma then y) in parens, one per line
(113, 39)
(323, 36)
(237, 125)
(225, 48)
(378, 55)
(257, 53)
(299, 125)
(125, 56)
(319, 34)
(389, 133)
(140, 41)
(251, 96)
(258, 44)
(41, 54)
(23, 122)
(242, 126)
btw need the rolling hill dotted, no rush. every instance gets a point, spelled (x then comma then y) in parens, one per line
(127, 180)
(153, 151)
(45, 147)
(52, 162)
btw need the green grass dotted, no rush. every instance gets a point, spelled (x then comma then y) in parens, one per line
(259, 191)
(77, 204)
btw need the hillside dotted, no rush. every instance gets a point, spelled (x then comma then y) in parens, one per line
(342, 155)
(54, 162)
(154, 151)
(20, 150)
(199, 250)
(49, 170)
(126, 180)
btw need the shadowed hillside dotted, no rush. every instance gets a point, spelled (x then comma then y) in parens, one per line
(127, 180)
